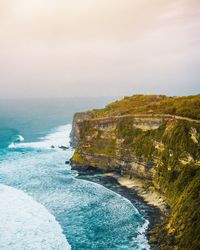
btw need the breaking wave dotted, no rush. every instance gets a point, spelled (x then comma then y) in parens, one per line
(26, 224)
(57, 138)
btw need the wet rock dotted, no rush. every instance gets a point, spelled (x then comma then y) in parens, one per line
(63, 147)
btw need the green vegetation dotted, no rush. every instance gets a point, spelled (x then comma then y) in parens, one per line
(138, 142)
(91, 143)
(153, 104)
(182, 188)
(180, 183)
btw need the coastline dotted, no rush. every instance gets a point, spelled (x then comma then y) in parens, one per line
(148, 203)
(149, 195)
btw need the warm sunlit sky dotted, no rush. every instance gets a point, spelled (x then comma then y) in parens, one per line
(57, 48)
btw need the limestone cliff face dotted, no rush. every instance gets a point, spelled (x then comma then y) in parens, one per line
(101, 143)
(163, 150)
(75, 133)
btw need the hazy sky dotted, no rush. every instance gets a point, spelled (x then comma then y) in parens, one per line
(53, 48)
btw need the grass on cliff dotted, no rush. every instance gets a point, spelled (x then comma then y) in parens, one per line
(186, 106)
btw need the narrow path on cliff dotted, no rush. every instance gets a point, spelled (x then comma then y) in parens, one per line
(166, 116)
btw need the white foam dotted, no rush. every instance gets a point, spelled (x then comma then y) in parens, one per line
(141, 238)
(26, 224)
(12, 145)
(58, 137)
(20, 138)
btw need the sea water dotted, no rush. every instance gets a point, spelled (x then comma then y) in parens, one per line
(89, 216)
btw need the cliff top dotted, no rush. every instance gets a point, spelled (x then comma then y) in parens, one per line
(186, 106)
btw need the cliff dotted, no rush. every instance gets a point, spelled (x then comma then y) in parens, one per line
(156, 139)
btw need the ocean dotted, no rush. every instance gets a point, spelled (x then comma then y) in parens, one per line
(89, 215)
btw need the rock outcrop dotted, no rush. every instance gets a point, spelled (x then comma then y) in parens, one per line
(161, 149)
(75, 133)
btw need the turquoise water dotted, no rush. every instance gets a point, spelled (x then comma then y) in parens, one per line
(91, 216)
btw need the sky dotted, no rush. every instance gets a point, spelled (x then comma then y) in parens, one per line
(62, 48)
